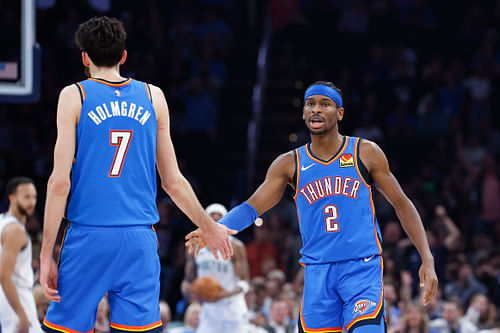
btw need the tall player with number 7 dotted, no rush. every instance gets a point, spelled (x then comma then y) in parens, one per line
(333, 176)
(113, 134)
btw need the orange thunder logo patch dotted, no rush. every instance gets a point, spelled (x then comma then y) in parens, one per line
(362, 306)
(346, 160)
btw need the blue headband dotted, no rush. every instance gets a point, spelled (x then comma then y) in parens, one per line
(320, 89)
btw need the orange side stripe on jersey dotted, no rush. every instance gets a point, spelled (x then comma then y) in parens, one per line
(380, 301)
(323, 330)
(81, 89)
(297, 165)
(62, 328)
(334, 159)
(136, 328)
(111, 84)
(62, 244)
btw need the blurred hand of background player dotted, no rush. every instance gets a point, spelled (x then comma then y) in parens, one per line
(23, 326)
(48, 278)
(216, 237)
(428, 281)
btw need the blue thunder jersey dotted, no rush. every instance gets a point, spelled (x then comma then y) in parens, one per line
(113, 180)
(335, 207)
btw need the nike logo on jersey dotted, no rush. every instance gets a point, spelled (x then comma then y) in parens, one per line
(369, 258)
(304, 168)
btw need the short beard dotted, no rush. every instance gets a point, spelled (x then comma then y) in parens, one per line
(23, 211)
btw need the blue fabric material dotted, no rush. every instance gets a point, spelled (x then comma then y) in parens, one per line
(320, 89)
(120, 261)
(240, 217)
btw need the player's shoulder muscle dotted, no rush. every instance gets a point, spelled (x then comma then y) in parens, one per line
(14, 234)
(159, 102)
(372, 156)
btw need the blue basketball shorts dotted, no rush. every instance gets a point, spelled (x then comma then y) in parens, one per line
(345, 294)
(120, 261)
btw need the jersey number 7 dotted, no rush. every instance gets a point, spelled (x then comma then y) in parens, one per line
(121, 139)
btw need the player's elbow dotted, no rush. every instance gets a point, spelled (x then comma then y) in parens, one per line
(59, 186)
(173, 185)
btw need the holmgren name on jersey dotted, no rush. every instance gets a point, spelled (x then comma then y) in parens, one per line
(119, 109)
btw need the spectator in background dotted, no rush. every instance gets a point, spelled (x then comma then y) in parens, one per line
(279, 321)
(465, 286)
(413, 320)
(260, 249)
(481, 312)
(191, 320)
(453, 319)
(165, 315)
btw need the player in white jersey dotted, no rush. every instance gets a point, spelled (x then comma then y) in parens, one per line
(17, 304)
(228, 312)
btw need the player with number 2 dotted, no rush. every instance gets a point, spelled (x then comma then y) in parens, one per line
(333, 178)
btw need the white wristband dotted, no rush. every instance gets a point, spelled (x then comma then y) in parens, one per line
(243, 285)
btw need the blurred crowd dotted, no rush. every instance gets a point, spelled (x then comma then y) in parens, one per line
(420, 80)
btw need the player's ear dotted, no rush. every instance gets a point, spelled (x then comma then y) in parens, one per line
(124, 57)
(340, 114)
(85, 59)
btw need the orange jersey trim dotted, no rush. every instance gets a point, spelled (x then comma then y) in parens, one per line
(62, 244)
(136, 328)
(374, 223)
(356, 163)
(81, 89)
(324, 330)
(297, 166)
(380, 301)
(149, 92)
(333, 159)
(111, 84)
(62, 328)
(371, 194)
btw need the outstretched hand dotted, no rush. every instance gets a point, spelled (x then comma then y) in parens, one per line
(216, 237)
(428, 281)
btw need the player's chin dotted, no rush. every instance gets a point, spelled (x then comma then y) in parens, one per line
(318, 131)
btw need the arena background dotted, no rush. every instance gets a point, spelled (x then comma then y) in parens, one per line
(418, 78)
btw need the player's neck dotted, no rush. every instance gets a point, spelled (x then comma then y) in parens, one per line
(106, 73)
(17, 214)
(325, 146)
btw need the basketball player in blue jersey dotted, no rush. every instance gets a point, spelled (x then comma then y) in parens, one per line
(333, 177)
(112, 134)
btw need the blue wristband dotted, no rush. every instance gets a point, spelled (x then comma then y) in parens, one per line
(239, 217)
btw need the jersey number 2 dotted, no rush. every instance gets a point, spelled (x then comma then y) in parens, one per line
(121, 139)
(330, 220)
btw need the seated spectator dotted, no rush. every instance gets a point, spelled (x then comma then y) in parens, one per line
(413, 320)
(165, 315)
(191, 320)
(465, 286)
(279, 321)
(453, 319)
(481, 312)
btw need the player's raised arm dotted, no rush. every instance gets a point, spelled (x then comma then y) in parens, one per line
(179, 189)
(375, 160)
(58, 185)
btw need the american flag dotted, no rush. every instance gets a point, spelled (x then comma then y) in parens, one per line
(8, 70)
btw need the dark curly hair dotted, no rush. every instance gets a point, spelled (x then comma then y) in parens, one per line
(103, 39)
